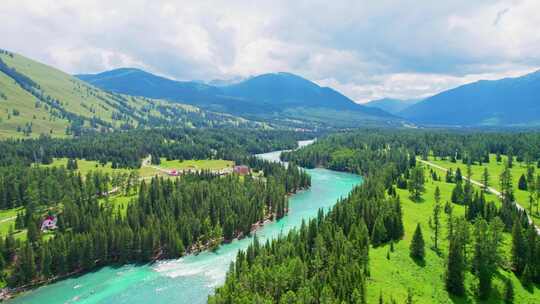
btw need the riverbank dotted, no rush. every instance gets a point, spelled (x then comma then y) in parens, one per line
(191, 278)
(194, 249)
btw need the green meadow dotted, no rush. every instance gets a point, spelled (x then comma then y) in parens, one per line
(203, 164)
(495, 169)
(393, 277)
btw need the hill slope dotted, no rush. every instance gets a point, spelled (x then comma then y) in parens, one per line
(276, 97)
(504, 102)
(38, 99)
(391, 105)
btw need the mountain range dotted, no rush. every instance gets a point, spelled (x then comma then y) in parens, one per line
(392, 105)
(38, 99)
(505, 102)
(282, 98)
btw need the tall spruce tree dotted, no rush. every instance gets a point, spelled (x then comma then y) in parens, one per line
(485, 180)
(417, 247)
(455, 266)
(436, 223)
(416, 183)
(522, 183)
(379, 235)
(519, 247)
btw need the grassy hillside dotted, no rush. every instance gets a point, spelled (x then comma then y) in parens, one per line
(278, 98)
(495, 169)
(38, 99)
(394, 276)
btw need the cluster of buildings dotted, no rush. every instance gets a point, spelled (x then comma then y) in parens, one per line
(240, 170)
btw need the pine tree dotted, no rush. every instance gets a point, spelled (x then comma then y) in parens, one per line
(27, 264)
(506, 185)
(519, 248)
(457, 194)
(379, 234)
(416, 183)
(485, 180)
(417, 250)
(19, 221)
(33, 232)
(459, 176)
(449, 176)
(436, 219)
(508, 291)
(488, 239)
(522, 183)
(455, 271)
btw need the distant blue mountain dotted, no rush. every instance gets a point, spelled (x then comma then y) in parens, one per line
(140, 83)
(275, 96)
(391, 105)
(504, 102)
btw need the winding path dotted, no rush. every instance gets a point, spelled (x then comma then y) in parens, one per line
(490, 189)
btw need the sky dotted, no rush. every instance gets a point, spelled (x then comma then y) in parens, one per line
(365, 49)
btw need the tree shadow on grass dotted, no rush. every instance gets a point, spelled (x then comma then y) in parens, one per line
(419, 200)
(461, 299)
(419, 262)
(529, 288)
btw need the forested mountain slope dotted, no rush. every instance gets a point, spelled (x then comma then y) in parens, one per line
(504, 102)
(38, 99)
(282, 98)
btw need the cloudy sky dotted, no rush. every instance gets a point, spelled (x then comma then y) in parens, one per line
(366, 49)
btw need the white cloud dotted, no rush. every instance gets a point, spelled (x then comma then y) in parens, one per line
(367, 49)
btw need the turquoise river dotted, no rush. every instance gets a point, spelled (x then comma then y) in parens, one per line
(192, 278)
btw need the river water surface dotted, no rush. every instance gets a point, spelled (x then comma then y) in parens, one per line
(192, 278)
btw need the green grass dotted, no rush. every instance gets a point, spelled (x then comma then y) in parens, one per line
(395, 276)
(7, 219)
(22, 101)
(119, 202)
(495, 169)
(206, 164)
(81, 98)
(85, 166)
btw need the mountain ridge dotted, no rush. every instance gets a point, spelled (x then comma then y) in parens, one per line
(279, 96)
(38, 99)
(511, 101)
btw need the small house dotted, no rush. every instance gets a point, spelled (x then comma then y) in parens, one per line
(242, 170)
(49, 223)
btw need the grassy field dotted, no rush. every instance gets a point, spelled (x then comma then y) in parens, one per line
(85, 166)
(395, 276)
(206, 164)
(495, 169)
(7, 219)
(118, 202)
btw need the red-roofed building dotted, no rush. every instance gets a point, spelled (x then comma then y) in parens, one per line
(242, 170)
(49, 223)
